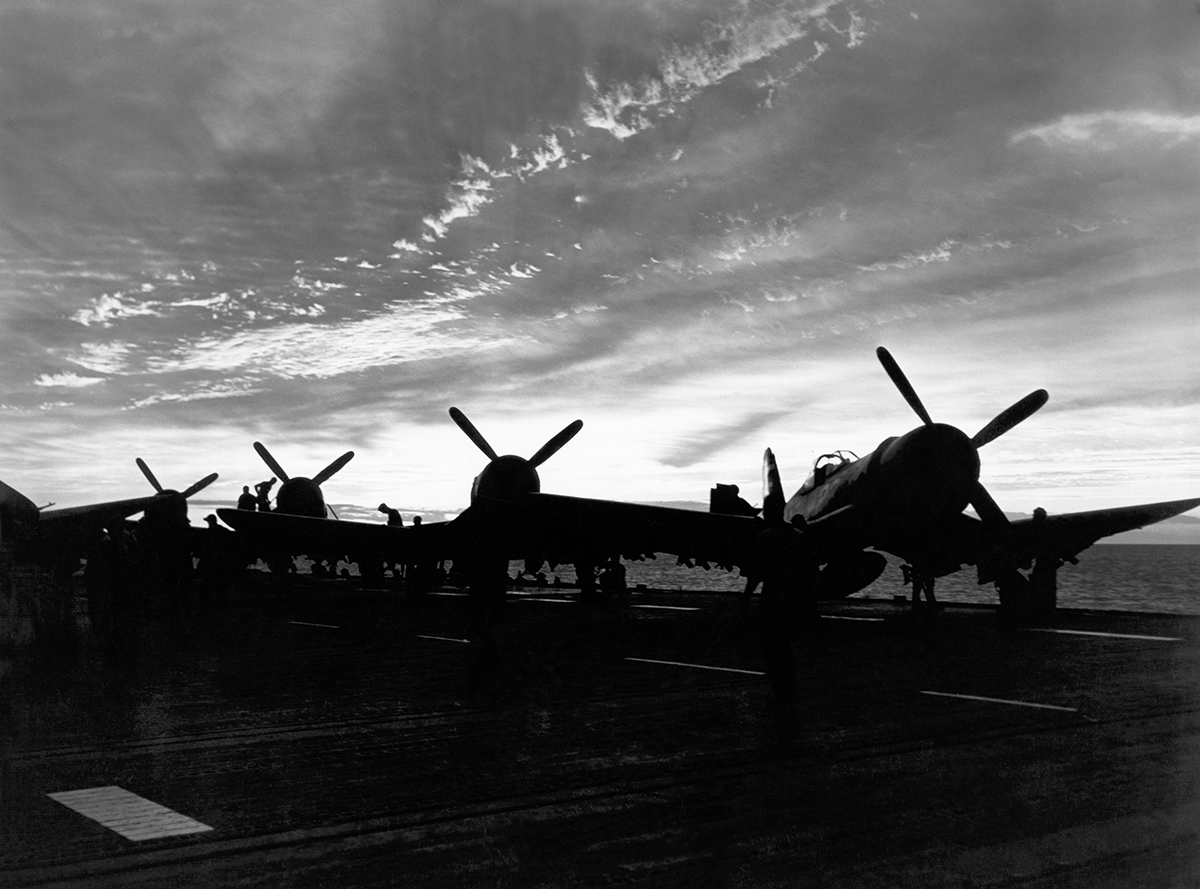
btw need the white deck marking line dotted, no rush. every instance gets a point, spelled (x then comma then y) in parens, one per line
(1108, 635)
(127, 813)
(304, 623)
(646, 660)
(543, 599)
(847, 617)
(946, 694)
(668, 607)
(446, 593)
(445, 639)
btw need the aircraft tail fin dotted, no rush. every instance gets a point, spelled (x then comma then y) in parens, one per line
(13, 498)
(16, 512)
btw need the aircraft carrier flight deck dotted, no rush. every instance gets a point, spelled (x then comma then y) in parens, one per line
(319, 734)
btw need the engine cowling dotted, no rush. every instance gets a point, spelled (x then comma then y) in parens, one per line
(847, 574)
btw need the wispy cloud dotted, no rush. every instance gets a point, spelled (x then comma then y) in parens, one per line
(703, 443)
(1109, 129)
(747, 36)
(67, 381)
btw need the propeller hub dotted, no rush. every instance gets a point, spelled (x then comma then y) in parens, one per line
(506, 478)
(931, 471)
(169, 508)
(300, 496)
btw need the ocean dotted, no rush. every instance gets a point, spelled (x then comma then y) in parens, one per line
(1113, 577)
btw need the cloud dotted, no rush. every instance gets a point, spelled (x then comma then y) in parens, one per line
(704, 443)
(467, 194)
(112, 307)
(67, 381)
(747, 36)
(1110, 129)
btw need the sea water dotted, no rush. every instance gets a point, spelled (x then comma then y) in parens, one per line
(1114, 577)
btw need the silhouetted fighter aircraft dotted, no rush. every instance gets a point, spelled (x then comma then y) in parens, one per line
(303, 524)
(54, 540)
(65, 533)
(907, 498)
(496, 495)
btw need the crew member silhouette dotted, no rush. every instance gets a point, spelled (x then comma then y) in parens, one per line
(394, 519)
(247, 500)
(263, 489)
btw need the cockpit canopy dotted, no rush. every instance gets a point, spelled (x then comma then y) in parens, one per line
(825, 466)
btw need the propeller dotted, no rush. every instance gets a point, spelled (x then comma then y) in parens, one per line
(323, 476)
(271, 462)
(987, 508)
(510, 478)
(299, 495)
(1009, 418)
(198, 486)
(141, 464)
(901, 382)
(550, 448)
(333, 467)
(544, 453)
(474, 434)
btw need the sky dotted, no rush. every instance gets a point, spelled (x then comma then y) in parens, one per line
(321, 223)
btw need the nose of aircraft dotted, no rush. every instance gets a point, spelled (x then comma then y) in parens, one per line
(934, 468)
(507, 478)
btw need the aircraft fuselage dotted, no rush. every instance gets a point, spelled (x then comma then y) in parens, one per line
(910, 483)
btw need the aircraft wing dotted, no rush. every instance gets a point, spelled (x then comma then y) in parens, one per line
(310, 536)
(1068, 534)
(81, 523)
(570, 525)
(1064, 536)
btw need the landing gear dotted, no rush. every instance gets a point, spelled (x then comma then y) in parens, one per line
(1022, 598)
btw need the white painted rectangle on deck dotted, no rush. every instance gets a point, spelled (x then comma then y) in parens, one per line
(946, 694)
(647, 660)
(128, 814)
(1105, 635)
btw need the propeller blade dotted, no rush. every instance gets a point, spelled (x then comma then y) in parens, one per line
(472, 433)
(333, 467)
(1007, 419)
(901, 382)
(272, 464)
(550, 448)
(141, 464)
(773, 501)
(200, 485)
(989, 511)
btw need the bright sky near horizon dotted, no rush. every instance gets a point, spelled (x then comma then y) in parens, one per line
(321, 224)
